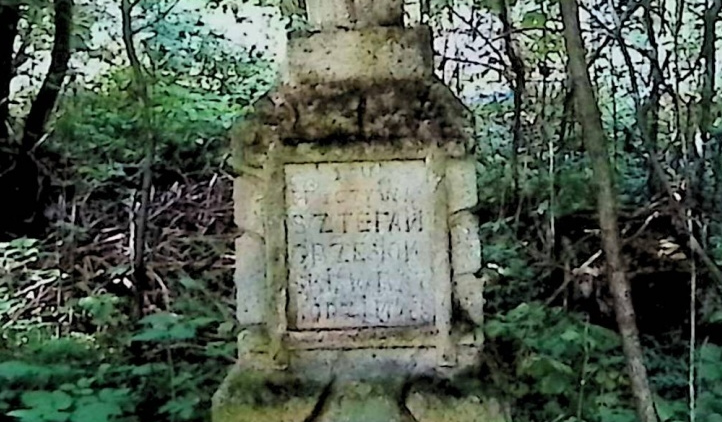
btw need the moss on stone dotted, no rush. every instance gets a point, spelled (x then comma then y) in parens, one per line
(249, 387)
(341, 114)
(430, 408)
(369, 401)
(293, 410)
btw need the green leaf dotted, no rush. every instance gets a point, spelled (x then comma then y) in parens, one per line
(552, 385)
(495, 329)
(50, 400)
(160, 319)
(15, 370)
(571, 334)
(710, 353)
(99, 411)
(39, 415)
(202, 321)
(670, 410)
(534, 20)
(715, 318)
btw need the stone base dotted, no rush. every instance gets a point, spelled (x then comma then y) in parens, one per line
(249, 395)
(274, 396)
(432, 408)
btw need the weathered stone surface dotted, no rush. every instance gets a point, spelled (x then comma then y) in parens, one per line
(433, 408)
(368, 54)
(359, 244)
(461, 185)
(326, 14)
(250, 280)
(248, 192)
(465, 243)
(248, 395)
(346, 113)
(363, 402)
(379, 363)
(469, 293)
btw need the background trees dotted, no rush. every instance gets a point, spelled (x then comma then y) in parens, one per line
(72, 166)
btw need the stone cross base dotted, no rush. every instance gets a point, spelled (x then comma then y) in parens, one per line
(248, 396)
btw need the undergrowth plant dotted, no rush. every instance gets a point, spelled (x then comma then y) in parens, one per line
(103, 367)
(556, 366)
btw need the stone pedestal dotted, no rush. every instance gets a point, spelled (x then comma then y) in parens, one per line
(358, 246)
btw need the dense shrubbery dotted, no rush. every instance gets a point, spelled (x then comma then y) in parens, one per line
(84, 361)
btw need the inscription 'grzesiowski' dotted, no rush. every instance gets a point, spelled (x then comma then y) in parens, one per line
(359, 249)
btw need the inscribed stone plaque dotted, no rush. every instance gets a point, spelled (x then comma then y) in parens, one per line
(359, 244)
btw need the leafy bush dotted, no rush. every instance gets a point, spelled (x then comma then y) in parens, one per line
(102, 367)
(103, 132)
(562, 368)
(559, 367)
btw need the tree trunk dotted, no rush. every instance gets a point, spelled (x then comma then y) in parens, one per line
(44, 102)
(589, 117)
(9, 18)
(709, 54)
(519, 85)
(140, 88)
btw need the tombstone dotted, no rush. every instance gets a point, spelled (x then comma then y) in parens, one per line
(358, 247)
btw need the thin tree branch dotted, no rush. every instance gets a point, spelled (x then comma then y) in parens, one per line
(632, 6)
(126, 7)
(475, 30)
(159, 18)
(140, 87)
(48, 94)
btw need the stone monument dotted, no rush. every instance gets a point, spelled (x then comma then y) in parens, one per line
(357, 253)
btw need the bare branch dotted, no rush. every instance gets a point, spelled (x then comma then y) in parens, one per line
(164, 14)
(632, 6)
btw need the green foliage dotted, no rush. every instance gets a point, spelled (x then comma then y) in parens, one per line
(716, 242)
(166, 367)
(102, 127)
(506, 265)
(577, 370)
(72, 403)
(19, 266)
(575, 367)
